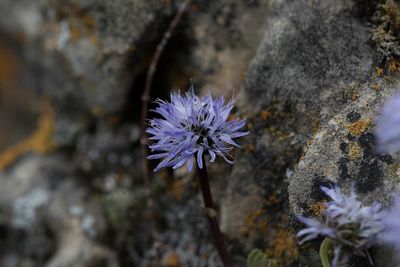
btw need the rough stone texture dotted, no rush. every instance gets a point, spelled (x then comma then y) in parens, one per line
(47, 218)
(89, 59)
(80, 51)
(312, 82)
(304, 72)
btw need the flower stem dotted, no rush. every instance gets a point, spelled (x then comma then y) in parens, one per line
(212, 216)
(324, 250)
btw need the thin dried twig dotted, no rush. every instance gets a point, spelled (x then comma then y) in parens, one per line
(145, 105)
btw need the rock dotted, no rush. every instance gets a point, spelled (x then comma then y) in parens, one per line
(307, 78)
(80, 52)
(314, 83)
(45, 213)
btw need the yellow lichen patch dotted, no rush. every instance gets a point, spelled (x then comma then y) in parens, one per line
(8, 66)
(272, 200)
(278, 134)
(355, 96)
(39, 142)
(177, 187)
(301, 157)
(394, 65)
(283, 247)
(253, 221)
(355, 151)
(82, 26)
(315, 125)
(378, 71)
(318, 207)
(394, 170)
(166, 2)
(264, 115)
(310, 141)
(172, 260)
(249, 147)
(97, 111)
(377, 87)
(243, 75)
(358, 127)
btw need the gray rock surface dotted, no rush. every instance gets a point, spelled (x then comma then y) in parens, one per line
(48, 218)
(312, 95)
(305, 73)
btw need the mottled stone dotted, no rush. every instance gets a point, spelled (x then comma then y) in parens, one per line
(45, 213)
(313, 75)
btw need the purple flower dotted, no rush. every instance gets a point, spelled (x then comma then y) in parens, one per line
(391, 223)
(388, 126)
(351, 226)
(191, 127)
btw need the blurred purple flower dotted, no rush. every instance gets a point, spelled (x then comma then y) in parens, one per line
(192, 126)
(352, 227)
(388, 126)
(391, 223)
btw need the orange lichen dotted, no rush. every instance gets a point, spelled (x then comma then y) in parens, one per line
(254, 222)
(272, 200)
(264, 115)
(358, 127)
(166, 2)
(315, 125)
(8, 66)
(39, 142)
(377, 87)
(243, 75)
(318, 207)
(394, 170)
(80, 23)
(177, 187)
(283, 247)
(394, 65)
(249, 147)
(278, 134)
(355, 96)
(81, 26)
(172, 260)
(378, 71)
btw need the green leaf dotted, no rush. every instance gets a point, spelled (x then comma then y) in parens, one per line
(324, 252)
(257, 258)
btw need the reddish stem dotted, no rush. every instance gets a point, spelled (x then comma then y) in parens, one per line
(212, 216)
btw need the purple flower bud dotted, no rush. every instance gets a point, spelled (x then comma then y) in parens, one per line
(391, 222)
(190, 127)
(388, 126)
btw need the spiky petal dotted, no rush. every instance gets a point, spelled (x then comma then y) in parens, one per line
(191, 126)
(388, 126)
(351, 226)
(391, 222)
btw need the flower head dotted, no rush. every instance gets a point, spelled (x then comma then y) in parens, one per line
(392, 224)
(388, 126)
(191, 127)
(351, 226)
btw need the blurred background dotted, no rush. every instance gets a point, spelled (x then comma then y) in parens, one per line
(71, 77)
(309, 75)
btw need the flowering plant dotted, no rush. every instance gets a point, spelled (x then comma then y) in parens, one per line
(351, 227)
(190, 127)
